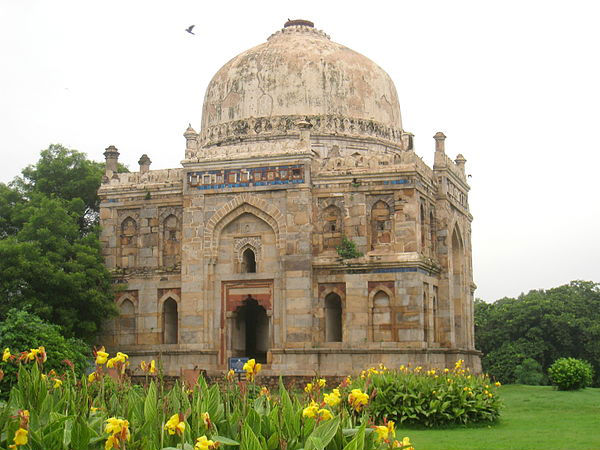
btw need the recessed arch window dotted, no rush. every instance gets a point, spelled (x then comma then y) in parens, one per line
(129, 245)
(333, 318)
(248, 261)
(332, 227)
(381, 224)
(170, 322)
(126, 319)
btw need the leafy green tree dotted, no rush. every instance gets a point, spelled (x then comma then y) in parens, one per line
(50, 256)
(542, 324)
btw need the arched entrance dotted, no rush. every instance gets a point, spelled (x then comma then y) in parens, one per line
(250, 337)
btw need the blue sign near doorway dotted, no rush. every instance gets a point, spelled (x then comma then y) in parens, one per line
(237, 364)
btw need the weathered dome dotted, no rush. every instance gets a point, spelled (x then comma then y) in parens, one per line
(299, 71)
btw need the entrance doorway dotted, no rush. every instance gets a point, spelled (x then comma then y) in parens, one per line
(250, 337)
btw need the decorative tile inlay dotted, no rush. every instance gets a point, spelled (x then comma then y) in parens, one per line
(253, 176)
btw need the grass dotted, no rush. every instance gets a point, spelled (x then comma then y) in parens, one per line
(533, 417)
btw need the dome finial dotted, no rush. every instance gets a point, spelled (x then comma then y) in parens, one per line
(298, 22)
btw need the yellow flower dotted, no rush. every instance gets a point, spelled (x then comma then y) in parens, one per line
(203, 443)
(57, 383)
(311, 410)
(332, 399)
(20, 438)
(175, 424)
(308, 387)
(152, 368)
(322, 382)
(357, 399)
(101, 356)
(230, 376)
(446, 370)
(92, 377)
(252, 368)
(324, 414)
(405, 444)
(93, 409)
(384, 431)
(265, 391)
(111, 442)
(497, 384)
(118, 427)
(32, 353)
(458, 364)
(6, 355)
(206, 419)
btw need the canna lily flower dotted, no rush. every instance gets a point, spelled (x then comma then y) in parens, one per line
(175, 424)
(405, 444)
(332, 399)
(57, 383)
(203, 443)
(32, 354)
(265, 391)
(111, 442)
(322, 382)
(324, 414)
(6, 355)
(311, 410)
(92, 377)
(20, 438)
(385, 431)
(152, 368)
(230, 376)
(101, 356)
(497, 384)
(308, 387)
(357, 399)
(117, 427)
(252, 368)
(206, 420)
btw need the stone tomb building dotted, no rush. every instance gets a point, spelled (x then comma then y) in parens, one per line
(234, 253)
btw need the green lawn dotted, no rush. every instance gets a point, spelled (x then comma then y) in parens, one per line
(533, 417)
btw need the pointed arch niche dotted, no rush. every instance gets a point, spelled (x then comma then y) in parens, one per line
(381, 319)
(126, 322)
(458, 292)
(128, 243)
(170, 321)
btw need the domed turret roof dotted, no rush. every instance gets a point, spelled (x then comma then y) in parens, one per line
(299, 71)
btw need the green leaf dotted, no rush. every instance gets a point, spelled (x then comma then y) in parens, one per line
(322, 435)
(224, 440)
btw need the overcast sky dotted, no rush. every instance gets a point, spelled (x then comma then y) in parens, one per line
(515, 85)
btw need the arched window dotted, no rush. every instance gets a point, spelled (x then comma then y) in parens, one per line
(127, 322)
(333, 318)
(423, 230)
(332, 227)
(171, 241)
(248, 261)
(458, 290)
(129, 245)
(432, 231)
(382, 317)
(381, 224)
(170, 322)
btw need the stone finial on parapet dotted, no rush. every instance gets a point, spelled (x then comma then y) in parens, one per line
(460, 163)
(144, 163)
(111, 156)
(439, 159)
(304, 127)
(191, 141)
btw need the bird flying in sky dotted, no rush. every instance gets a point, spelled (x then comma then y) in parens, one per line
(190, 28)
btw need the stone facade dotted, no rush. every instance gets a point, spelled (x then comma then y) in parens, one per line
(234, 253)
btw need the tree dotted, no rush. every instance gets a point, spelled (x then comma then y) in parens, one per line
(50, 256)
(542, 324)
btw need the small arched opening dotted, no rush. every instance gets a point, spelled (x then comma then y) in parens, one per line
(170, 321)
(333, 318)
(248, 261)
(382, 317)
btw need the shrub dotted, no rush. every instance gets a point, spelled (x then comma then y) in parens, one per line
(529, 372)
(347, 249)
(431, 398)
(569, 374)
(22, 331)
